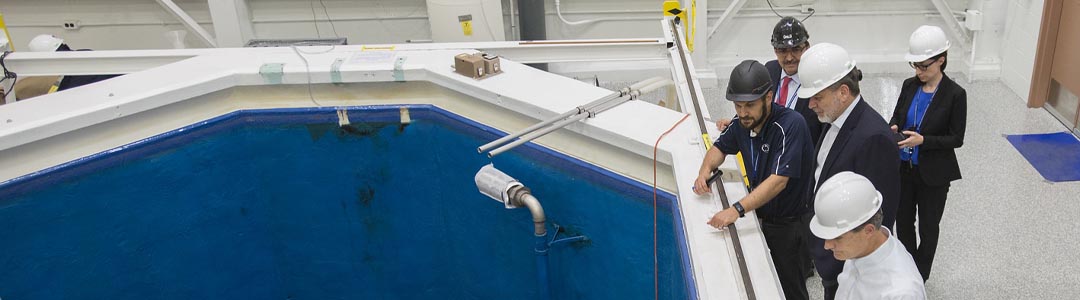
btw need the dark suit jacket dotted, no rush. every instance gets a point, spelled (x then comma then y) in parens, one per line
(943, 128)
(866, 146)
(74, 81)
(802, 106)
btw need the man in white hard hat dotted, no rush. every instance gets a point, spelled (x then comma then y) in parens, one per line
(47, 43)
(848, 217)
(51, 43)
(856, 138)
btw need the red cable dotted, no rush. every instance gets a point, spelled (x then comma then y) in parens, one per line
(656, 269)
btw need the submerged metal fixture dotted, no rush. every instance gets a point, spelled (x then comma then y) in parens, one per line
(513, 194)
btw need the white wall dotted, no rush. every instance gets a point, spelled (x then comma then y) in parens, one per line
(1018, 44)
(141, 24)
(362, 22)
(107, 24)
(874, 31)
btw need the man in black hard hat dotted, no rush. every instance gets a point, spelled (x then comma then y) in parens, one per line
(779, 157)
(789, 40)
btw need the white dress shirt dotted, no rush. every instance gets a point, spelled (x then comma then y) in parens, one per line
(887, 273)
(830, 137)
(793, 87)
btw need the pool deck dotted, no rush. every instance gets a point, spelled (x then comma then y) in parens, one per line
(56, 128)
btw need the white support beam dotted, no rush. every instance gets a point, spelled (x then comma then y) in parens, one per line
(232, 22)
(27, 63)
(957, 29)
(729, 13)
(576, 51)
(188, 22)
(128, 61)
(700, 35)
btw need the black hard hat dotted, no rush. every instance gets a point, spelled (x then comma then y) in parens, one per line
(749, 81)
(789, 32)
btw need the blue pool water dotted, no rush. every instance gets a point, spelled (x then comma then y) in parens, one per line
(284, 204)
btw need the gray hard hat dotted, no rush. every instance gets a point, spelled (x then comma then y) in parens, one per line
(749, 81)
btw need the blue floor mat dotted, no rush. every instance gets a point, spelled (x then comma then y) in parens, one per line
(1055, 155)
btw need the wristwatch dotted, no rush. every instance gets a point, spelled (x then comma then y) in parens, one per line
(738, 207)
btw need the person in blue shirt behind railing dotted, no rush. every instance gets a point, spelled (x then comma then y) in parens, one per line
(931, 113)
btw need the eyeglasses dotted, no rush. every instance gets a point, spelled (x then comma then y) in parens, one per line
(922, 66)
(793, 50)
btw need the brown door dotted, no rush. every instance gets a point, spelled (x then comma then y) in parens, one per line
(1056, 80)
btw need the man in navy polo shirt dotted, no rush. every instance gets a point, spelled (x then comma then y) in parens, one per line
(779, 157)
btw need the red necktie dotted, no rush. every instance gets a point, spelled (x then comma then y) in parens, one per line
(783, 91)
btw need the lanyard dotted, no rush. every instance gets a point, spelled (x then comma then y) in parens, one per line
(791, 100)
(754, 163)
(918, 120)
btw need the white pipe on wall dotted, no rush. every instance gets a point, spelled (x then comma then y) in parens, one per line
(558, 12)
(513, 20)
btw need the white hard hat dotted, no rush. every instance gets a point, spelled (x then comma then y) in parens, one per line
(926, 42)
(844, 201)
(45, 43)
(821, 66)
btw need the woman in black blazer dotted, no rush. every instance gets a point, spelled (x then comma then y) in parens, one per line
(931, 114)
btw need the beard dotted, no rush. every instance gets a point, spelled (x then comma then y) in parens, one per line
(747, 122)
(824, 116)
(755, 122)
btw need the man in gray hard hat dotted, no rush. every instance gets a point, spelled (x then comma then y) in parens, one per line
(848, 217)
(779, 157)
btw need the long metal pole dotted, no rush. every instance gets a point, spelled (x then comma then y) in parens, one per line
(733, 232)
(547, 122)
(513, 21)
(644, 85)
(536, 134)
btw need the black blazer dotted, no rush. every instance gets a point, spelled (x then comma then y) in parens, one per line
(866, 146)
(802, 106)
(943, 128)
